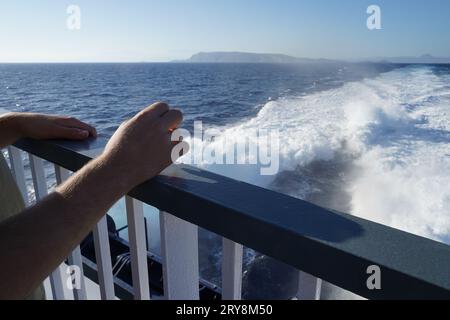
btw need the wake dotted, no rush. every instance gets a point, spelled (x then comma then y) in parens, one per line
(381, 144)
(377, 148)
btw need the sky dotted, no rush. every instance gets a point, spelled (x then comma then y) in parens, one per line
(164, 30)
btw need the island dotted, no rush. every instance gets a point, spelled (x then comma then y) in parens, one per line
(246, 57)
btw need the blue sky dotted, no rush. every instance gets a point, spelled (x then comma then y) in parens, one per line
(161, 30)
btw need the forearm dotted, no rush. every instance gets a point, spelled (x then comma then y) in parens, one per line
(35, 242)
(9, 130)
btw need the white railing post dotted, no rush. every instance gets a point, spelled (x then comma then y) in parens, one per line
(75, 258)
(309, 287)
(39, 178)
(138, 248)
(18, 171)
(179, 246)
(61, 174)
(40, 191)
(231, 270)
(102, 249)
(17, 168)
(103, 257)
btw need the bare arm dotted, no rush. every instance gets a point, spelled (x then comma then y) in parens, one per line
(34, 243)
(9, 132)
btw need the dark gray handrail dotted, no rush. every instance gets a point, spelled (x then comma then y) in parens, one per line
(330, 245)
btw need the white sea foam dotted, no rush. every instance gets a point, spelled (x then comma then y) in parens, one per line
(404, 174)
(395, 127)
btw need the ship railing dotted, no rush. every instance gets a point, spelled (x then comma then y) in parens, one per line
(369, 259)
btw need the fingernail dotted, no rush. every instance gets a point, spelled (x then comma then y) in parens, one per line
(83, 133)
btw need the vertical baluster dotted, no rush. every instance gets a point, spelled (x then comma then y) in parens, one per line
(40, 190)
(231, 270)
(138, 248)
(17, 168)
(39, 178)
(309, 287)
(179, 244)
(103, 257)
(18, 171)
(61, 174)
(75, 258)
(48, 289)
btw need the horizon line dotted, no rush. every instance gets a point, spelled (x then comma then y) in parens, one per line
(372, 59)
(190, 62)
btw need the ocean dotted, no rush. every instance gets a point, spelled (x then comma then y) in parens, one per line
(372, 139)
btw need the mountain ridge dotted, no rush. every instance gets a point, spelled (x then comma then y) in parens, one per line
(249, 57)
(246, 57)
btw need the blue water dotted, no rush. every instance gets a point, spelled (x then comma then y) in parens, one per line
(107, 94)
(369, 139)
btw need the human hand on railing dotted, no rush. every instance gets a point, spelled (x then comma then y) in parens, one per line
(139, 150)
(15, 125)
(142, 146)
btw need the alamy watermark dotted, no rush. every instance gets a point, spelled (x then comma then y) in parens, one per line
(374, 19)
(260, 147)
(73, 21)
(73, 281)
(374, 280)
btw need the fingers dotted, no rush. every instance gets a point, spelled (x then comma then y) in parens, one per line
(154, 111)
(61, 132)
(171, 119)
(77, 124)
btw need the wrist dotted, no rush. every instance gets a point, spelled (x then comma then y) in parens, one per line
(116, 172)
(97, 184)
(11, 123)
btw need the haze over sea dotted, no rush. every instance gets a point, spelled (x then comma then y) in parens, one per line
(372, 139)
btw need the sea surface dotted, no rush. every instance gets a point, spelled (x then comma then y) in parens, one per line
(372, 140)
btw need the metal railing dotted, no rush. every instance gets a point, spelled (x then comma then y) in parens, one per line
(323, 244)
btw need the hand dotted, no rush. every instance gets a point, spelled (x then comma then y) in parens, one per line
(39, 126)
(141, 148)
